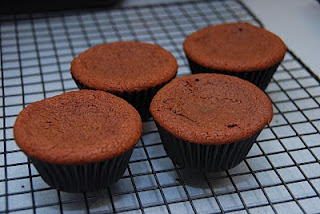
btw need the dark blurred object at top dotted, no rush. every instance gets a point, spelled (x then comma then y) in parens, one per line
(28, 6)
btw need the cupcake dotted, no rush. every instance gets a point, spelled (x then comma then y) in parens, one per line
(79, 141)
(134, 71)
(238, 49)
(209, 122)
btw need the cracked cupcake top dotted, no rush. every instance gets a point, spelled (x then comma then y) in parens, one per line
(211, 108)
(78, 127)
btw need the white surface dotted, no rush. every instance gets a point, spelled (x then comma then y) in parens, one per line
(297, 22)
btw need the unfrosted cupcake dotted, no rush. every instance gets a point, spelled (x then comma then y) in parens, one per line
(134, 71)
(238, 49)
(210, 121)
(79, 141)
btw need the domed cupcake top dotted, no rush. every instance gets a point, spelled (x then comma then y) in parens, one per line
(78, 127)
(211, 108)
(237, 47)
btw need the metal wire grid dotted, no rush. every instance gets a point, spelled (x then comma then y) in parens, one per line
(280, 175)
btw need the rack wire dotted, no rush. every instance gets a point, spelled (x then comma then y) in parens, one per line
(280, 175)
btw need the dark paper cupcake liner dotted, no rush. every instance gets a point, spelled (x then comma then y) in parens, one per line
(260, 78)
(85, 177)
(207, 158)
(140, 100)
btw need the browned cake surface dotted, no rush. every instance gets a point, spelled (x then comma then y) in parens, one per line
(237, 47)
(78, 127)
(124, 66)
(211, 108)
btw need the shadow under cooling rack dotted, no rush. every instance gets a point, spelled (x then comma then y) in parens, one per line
(280, 175)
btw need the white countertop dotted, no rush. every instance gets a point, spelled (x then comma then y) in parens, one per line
(297, 22)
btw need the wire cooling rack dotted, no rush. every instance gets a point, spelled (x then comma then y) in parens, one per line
(280, 175)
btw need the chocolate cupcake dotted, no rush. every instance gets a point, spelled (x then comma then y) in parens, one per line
(210, 121)
(134, 71)
(79, 141)
(238, 49)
